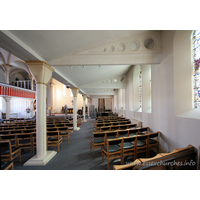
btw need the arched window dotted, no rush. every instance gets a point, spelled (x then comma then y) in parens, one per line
(196, 68)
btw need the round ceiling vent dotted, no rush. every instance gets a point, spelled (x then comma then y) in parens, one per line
(134, 45)
(112, 48)
(149, 43)
(121, 47)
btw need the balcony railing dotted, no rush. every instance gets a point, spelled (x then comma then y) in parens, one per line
(13, 91)
(26, 84)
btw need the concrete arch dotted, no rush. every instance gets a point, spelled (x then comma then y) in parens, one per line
(22, 65)
(2, 59)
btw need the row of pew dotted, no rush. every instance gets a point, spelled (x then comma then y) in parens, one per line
(132, 145)
(117, 138)
(17, 137)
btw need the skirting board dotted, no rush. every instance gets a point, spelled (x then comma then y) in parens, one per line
(34, 161)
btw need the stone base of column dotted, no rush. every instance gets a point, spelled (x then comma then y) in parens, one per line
(34, 161)
(85, 120)
(77, 129)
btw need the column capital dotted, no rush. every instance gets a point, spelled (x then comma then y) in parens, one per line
(7, 99)
(30, 76)
(41, 71)
(75, 91)
(84, 97)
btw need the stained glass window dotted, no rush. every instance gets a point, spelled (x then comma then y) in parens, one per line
(196, 68)
(140, 87)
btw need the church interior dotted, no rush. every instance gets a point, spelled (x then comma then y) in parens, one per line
(133, 75)
(106, 100)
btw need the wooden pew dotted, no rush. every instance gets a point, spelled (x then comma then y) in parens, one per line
(178, 159)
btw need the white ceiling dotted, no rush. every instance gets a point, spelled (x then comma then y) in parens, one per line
(70, 53)
(54, 44)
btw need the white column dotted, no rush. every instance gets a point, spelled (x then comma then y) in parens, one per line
(42, 73)
(52, 96)
(75, 93)
(84, 98)
(7, 99)
(41, 120)
(89, 100)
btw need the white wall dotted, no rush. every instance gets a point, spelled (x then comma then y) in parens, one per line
(2, 76)
(60, 100)
(108, 104)
(17, 105)
(176, 131)
(95, 102)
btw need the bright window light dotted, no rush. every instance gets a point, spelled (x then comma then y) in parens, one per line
(64, 90)
(71, 94)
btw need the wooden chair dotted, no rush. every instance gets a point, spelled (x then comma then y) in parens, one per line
(98, 126)
(123, 126)
(52, 129)
(113, 150)
(3, 115)
(107, 124)
(132, 126)
(104, 128)
(7, 165)
(70, 128)
(112, 128)
(60, 125)
(16, 131)
(12, 138)
(133, 132)
(97, 141)
(50, 125)
(30, 127)
(64, 132)
(143, 130)
(9, 153)
(129, 146)
(24, 141)
(54, 139)
(142, 144)
(122, 133)
(114, 123)
(153, 142)
(110, 135)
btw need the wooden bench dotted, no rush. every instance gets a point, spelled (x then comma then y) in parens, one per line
(179, 158)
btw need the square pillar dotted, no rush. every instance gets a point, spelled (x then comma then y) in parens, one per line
(75, 93)
(42, 72)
